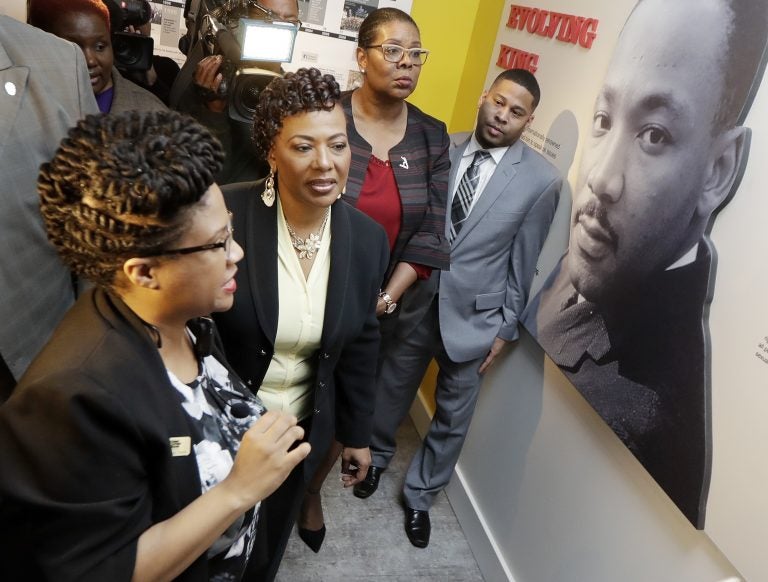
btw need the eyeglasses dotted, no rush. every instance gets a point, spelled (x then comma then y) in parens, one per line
(270, 16)
(394, 53)
(225, 244)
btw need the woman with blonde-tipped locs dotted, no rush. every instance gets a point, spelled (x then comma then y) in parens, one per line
(129, 449)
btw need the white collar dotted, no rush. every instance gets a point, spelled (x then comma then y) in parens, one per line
(686, 259)
(473, 146)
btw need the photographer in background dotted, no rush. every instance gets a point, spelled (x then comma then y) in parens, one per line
(87, 24)
(198, 91)
(161, 74)
(133, 47)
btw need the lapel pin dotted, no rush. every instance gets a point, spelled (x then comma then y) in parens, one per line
(404, 163)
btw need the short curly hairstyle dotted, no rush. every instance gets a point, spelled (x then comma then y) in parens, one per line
(299, 92)
(120, 186)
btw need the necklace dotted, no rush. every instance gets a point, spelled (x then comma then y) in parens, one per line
(307, 247)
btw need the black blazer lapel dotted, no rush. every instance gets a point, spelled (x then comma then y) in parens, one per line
(261, 237)
(341, 245)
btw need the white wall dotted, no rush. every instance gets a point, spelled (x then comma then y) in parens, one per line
(547, 493)
(15, 8)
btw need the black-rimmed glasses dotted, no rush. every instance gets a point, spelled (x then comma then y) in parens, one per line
(270, 16)
(225, 244)
(394, 53)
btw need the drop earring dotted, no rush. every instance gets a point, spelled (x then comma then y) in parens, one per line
(343, 191)
(268, 196)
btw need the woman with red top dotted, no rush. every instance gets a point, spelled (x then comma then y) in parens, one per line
(398, 176)
(399, 171)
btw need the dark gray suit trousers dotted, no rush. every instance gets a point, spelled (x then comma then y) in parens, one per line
(458, 384)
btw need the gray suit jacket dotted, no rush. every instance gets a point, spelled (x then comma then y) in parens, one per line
(44, 89)
(493, 258)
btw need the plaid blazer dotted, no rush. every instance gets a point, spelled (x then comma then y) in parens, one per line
(129, 96)
(421, 164)
(48, 79)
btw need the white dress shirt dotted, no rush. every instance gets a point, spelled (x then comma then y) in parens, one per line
(485, 171)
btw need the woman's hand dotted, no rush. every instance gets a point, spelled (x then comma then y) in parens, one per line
(403, 276)
(354, 465)
(264, 460)
(381, 307)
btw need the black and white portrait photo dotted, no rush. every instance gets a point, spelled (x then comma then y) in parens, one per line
(625, 313)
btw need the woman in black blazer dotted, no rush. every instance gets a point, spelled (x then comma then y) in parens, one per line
(129, 449)
(326, 260)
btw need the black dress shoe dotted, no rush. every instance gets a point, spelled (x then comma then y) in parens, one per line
(368, 486)
(417, 527)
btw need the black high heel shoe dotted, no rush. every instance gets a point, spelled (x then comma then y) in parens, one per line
(312, 537)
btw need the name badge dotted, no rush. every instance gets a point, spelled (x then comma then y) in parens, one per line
(181, 446)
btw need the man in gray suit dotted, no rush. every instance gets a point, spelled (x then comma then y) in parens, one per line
(44, 89)
(504, 197)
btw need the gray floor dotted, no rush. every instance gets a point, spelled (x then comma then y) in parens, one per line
(366, 542)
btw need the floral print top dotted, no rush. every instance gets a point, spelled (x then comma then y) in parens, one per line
(221, 410)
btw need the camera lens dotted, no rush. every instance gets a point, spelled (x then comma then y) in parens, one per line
(126, 52)
(133, 52)
(246, 87)
(249, 95)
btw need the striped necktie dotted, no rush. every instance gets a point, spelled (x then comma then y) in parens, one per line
(465, 193)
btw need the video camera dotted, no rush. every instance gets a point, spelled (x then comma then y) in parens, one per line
(132, 51)
(224, 28)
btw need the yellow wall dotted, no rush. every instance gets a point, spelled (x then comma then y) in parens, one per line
(460, 36)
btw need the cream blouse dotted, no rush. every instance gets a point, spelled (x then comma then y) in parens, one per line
(288, 383)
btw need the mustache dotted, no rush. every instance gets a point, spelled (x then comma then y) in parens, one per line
(594, 209)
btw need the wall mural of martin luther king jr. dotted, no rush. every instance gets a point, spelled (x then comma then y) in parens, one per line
(624, 314)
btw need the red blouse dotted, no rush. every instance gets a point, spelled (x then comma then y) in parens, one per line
(380, 199)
